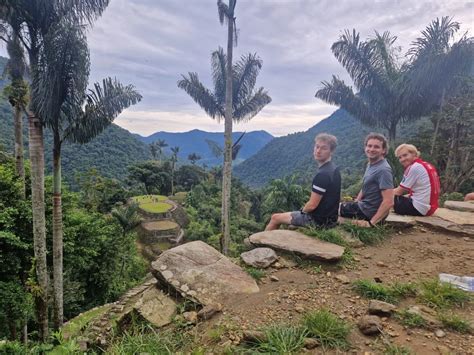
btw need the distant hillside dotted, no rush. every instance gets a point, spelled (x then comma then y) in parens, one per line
(294, 153)
(195, 142)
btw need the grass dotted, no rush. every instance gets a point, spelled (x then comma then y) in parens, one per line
(370, 236)
(327, 235)
(155, 207)
(149, 198)
(404, 289)
(392, 294)
(440, 295)
(257, 274)
(281, 339)
(327, 328)
(410, 320)
(393, 349)
(456, 323)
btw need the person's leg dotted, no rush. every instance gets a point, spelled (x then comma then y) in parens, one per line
(279, 219)
(404, 206)
(349, 212)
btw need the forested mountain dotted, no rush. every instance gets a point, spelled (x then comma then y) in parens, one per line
(195, 142)
(294, 153)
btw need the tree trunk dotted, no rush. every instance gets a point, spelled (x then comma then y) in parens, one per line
(227, 173)
(57, 235)
(36, 149)
(392, 134)
(20, 168)
(438, 122)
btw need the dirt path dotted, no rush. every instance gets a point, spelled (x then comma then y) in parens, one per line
(407, 256)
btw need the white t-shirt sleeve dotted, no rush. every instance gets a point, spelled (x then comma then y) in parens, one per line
(410, 179)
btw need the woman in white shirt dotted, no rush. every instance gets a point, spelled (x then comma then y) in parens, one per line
(420, 182)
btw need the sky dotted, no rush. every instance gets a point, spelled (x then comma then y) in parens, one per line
(151, 43)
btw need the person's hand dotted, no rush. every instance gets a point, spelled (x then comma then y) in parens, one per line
(361, 223)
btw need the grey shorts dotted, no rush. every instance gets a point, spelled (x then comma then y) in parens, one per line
(302, 219)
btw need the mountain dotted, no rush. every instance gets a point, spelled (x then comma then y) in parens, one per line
(195, 142)
(294, 153)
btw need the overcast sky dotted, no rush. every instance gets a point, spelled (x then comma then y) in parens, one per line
(150, 43)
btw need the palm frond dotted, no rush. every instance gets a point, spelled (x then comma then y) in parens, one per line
(215, 148)
(384, 56)
(103, 105)
(252, 107)
(219, 74)
(223, 11)
(338, 93)
(245, 72)
(201, 95)
(81, 10)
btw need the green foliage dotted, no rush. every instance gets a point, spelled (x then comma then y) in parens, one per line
(328, 235)
(257, 274)
(373, 290)
(327, 328)
(410, 319)
(456, 323)
(441, 295)
(370, 236)
(393, 349)
(12, 348)
(154, 177)
(281, 339)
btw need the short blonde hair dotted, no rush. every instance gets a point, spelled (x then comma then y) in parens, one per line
(410, 147)
(327, 138)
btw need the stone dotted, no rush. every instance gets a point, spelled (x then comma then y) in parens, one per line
(207, 312)
(381, 308)
(370, 325)
(400, 221)
(439, 333)
(343, 278)
(457, 217)
(350, 240)
(274, 278)
(190, 317)
(427, 314)
(211, 275)
(298, 243)
(445, 225)
(467, 206)
(259, 257)
(311, 343)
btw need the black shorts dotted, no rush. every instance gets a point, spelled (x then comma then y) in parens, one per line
(404, 206)
(352, 210)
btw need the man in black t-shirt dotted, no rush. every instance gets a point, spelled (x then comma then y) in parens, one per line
(322, 207)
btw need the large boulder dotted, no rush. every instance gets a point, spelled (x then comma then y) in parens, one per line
(202, 274)
(259, 257)
(298, 243)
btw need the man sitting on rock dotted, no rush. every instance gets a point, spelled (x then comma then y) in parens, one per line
(420, 181)
(321, 209)
(375, 199)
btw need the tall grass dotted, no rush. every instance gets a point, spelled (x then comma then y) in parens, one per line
(327, 328)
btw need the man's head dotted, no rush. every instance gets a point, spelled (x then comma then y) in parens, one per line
(324, 146)
(406, 154)
(375, 147)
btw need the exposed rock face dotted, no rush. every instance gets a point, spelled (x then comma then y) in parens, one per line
(155, 307)
(381, 308)
(298, 243)
(200, 273)
(460, 205)
(370, 325)
(180, 216)
(259, 257)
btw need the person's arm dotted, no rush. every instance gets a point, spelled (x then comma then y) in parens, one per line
(384, 208)
(359, 196)
(313, 202)
(399, 191)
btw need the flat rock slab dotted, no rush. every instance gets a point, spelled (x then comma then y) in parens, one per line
(442, 224)
(298, 243)
(156, 307)
(397, 220)
(259, 257)
(467, 206)
(199, 272)
(458, 217)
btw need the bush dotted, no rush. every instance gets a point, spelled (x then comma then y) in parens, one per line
(282, 339)
(331, 331)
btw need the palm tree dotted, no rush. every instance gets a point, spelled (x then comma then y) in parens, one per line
(246, 103)
(218, 151)
(174, 160)
(160, 144)
(153, 150)
(16, 92)
(193, 158)
(390, 92)
(38, 18)
(128, 217)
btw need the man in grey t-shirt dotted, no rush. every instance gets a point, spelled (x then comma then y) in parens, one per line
(375, 199)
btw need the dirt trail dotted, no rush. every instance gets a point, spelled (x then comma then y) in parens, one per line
(407, 256)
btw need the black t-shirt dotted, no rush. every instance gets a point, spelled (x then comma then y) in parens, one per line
(327, 183)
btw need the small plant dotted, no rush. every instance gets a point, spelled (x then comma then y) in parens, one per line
(373, 290)
(456, 323)
(282, 339)
(436, 294)
(257, 274)
(370, 236)
(331, 331)
(317, 269)
(393, 349)
(410, 320)
(404, 289)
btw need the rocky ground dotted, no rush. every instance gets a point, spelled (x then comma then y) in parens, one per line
(287, 293)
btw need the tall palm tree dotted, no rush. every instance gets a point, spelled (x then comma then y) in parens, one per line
(16, 92)
(160, 144)
(246, 103)
(38, 18)
(390, 92)
(193, 158)
(174, 160)
(65, 63)
(153, 150)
